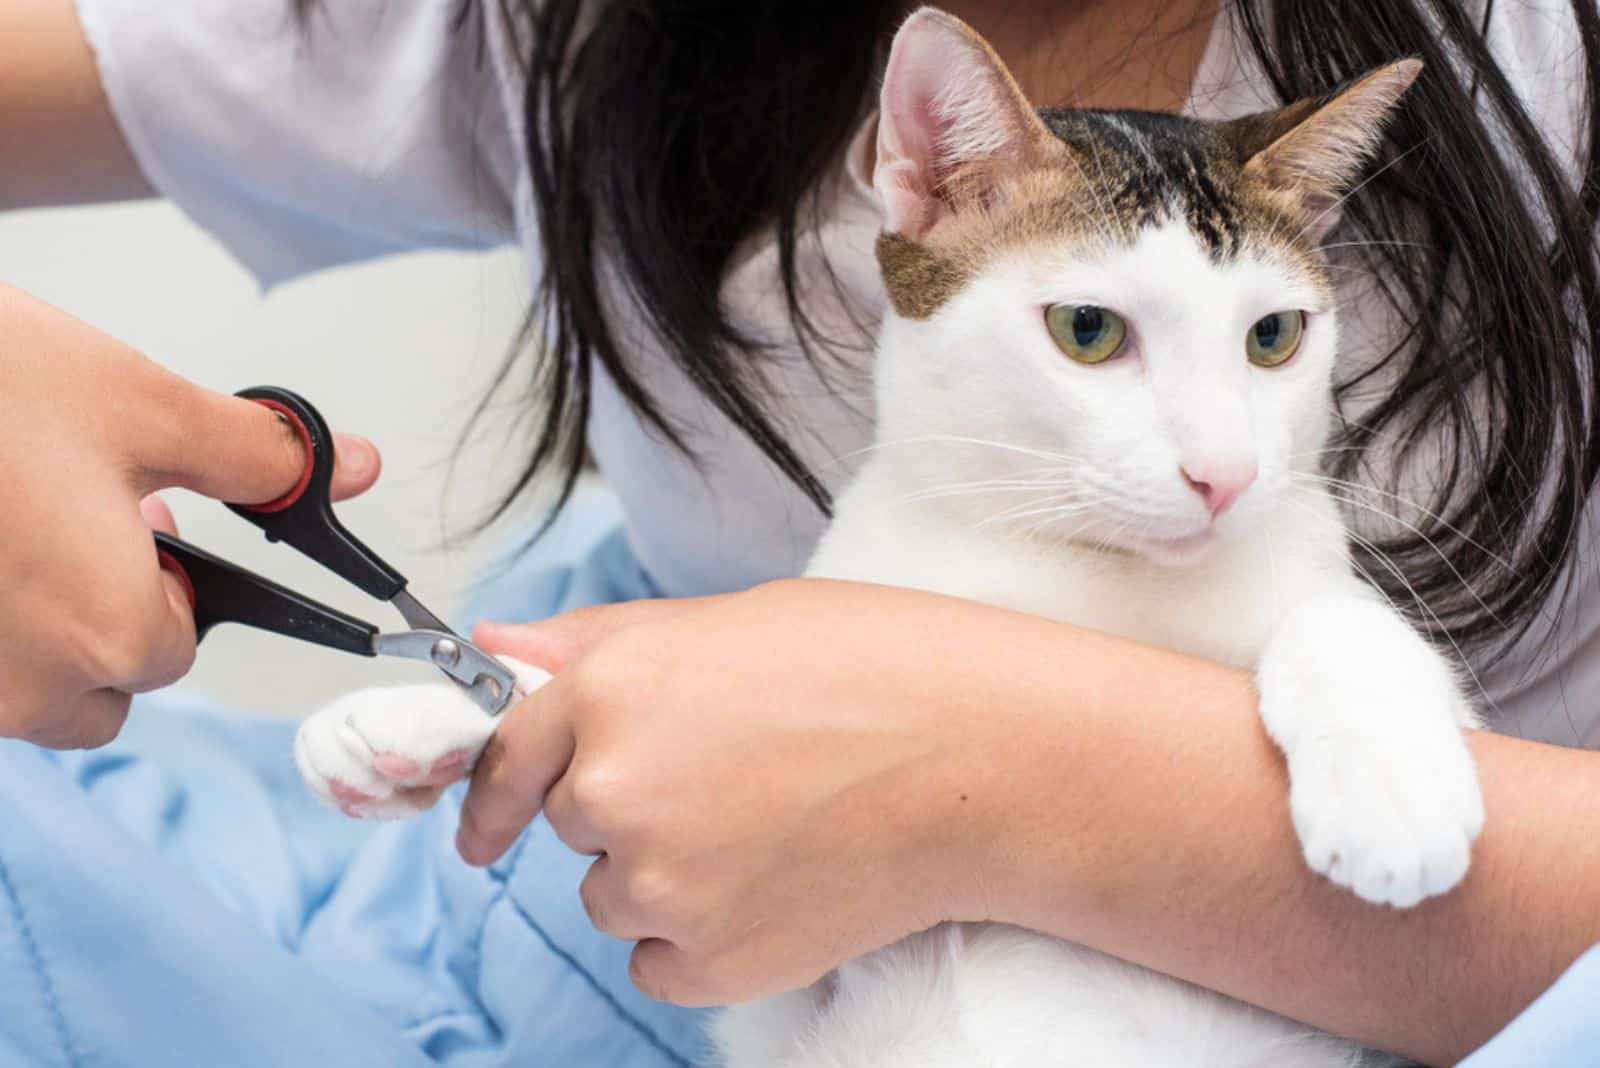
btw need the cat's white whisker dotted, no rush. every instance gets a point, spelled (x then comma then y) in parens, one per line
(1462, 660)
(1354, 487)
(956, 439)
(1370, 244)
(1036, 509)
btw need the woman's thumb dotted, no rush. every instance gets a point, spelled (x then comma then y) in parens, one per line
(554, 643)
(236, 450)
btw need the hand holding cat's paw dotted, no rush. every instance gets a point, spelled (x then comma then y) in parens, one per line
(389, 752)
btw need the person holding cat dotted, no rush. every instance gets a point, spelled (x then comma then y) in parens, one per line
(780, 780)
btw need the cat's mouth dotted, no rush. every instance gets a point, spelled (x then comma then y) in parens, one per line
(1178, 552)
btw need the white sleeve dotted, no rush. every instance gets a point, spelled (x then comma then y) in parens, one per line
(375, 127)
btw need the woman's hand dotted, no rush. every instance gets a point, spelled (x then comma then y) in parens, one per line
(774, 781)
(90, 429)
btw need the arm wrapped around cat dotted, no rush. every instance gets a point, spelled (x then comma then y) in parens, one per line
(1103, 391)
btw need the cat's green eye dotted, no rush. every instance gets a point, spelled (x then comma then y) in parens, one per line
(1273, 338)
(1086, 332)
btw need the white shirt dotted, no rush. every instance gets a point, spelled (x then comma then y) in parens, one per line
(385, 129)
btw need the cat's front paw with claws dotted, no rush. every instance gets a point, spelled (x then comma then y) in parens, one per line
(389, 752)
(1382, 787)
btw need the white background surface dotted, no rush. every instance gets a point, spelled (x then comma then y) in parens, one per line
(397, 350)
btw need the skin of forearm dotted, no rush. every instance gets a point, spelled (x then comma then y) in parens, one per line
(1153, 823)
(58, 139)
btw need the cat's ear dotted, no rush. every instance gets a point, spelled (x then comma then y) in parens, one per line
(952, 123)
(1313, 150)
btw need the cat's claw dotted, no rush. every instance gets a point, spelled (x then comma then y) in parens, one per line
(388, 753)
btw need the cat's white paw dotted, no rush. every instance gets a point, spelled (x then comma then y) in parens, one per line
(1382, 787)
(389, 752)
(1394, 821)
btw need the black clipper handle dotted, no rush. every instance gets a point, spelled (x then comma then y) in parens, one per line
(304, 517)
(221, 592)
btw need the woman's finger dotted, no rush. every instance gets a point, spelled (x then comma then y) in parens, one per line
(554, 643)
(662, 971)
(171, 647)
(157, 516)
(605, 899)
(218, 445)
(570, 822)
(525, 755)
(93, 720)
(356, 466)
(233, 449)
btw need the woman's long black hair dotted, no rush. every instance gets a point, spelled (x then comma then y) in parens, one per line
(669, 132)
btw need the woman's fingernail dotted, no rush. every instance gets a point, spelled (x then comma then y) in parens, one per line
(356, 454)
(489, 634)
(156, 514)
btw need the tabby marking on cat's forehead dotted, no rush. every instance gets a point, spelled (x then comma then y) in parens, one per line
(1160, 166)
(1111, 175)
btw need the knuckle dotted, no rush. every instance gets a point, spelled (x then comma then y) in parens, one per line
(622, 664)
(117, 637)
(595, 678)
(651, 887)
(120, 656)
(595, 790)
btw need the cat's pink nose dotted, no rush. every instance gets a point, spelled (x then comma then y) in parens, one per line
(1219, 485)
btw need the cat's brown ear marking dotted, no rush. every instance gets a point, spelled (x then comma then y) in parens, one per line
(952, 123)
(917, 278)
(1312, 151)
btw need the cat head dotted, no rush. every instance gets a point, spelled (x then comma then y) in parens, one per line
(1114, 327)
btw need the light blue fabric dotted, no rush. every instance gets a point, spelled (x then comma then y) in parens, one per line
(1559, 1030)
(178, 899)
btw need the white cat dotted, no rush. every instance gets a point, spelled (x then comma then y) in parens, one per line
(1103, 389)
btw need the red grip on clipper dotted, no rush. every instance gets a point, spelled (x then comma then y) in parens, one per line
(288, 499)
(170, 565)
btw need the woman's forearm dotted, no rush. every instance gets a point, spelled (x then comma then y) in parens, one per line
(1166, 820)
(58, 138)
